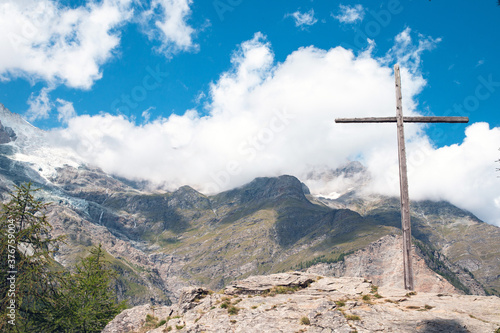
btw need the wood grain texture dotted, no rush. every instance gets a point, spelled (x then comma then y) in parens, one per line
(405, 119)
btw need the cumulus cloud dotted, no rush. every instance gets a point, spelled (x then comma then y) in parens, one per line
(303, 19)
(350, 14)
(170, 28)
(266, 119)
(44, 40)
(41, 39)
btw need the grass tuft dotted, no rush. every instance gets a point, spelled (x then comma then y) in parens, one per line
(232, 310)
(161, 323)
(150, 318)
(352, 317)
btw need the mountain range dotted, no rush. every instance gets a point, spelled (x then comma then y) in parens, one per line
(161, 241)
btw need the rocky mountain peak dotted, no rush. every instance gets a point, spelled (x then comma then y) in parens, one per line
(22, 130)
(272, 188)
(265, 189)
(188, 198)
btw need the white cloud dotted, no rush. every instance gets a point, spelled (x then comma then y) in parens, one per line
(39, 106)
(170, 26)
(267, 119)
(65, 111)
(407, 53)
(41, 39)
(146, 115)
(44, 40)
(303, 19)
(350, 14)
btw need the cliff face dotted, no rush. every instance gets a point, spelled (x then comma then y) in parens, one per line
(382, 262)
(451, 236)
(299, 302)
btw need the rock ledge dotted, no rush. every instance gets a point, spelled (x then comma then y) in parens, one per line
(300, 302)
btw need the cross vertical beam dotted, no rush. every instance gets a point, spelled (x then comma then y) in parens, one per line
(403, 185)
(403, 178)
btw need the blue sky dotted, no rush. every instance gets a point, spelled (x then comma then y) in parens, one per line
(207, 86)
(469, 49)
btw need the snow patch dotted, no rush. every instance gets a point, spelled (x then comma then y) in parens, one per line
(46, 160)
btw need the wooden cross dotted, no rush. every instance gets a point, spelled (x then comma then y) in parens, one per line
(403, 178)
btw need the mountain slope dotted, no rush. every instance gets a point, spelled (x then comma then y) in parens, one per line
(162, 241)
(381, 262)
(450, 231)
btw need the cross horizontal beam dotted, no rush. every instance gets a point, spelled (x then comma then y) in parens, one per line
(405, 119)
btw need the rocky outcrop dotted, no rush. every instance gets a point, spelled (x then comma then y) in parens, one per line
(299, 302)
(190, 296)
(260, 284)
(6, 134)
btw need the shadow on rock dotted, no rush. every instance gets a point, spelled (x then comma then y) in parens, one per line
(443, 325)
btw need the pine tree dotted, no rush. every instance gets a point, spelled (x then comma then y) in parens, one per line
(28, 281)
(89, 302)
(36, 295)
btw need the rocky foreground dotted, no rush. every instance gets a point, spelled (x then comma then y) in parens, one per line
(301, 302)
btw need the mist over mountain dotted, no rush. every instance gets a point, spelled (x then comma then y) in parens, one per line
(152, 155)
(161, 241)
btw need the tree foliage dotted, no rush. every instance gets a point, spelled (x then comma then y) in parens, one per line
(88, 302)
(28, 282)
(37, 294)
